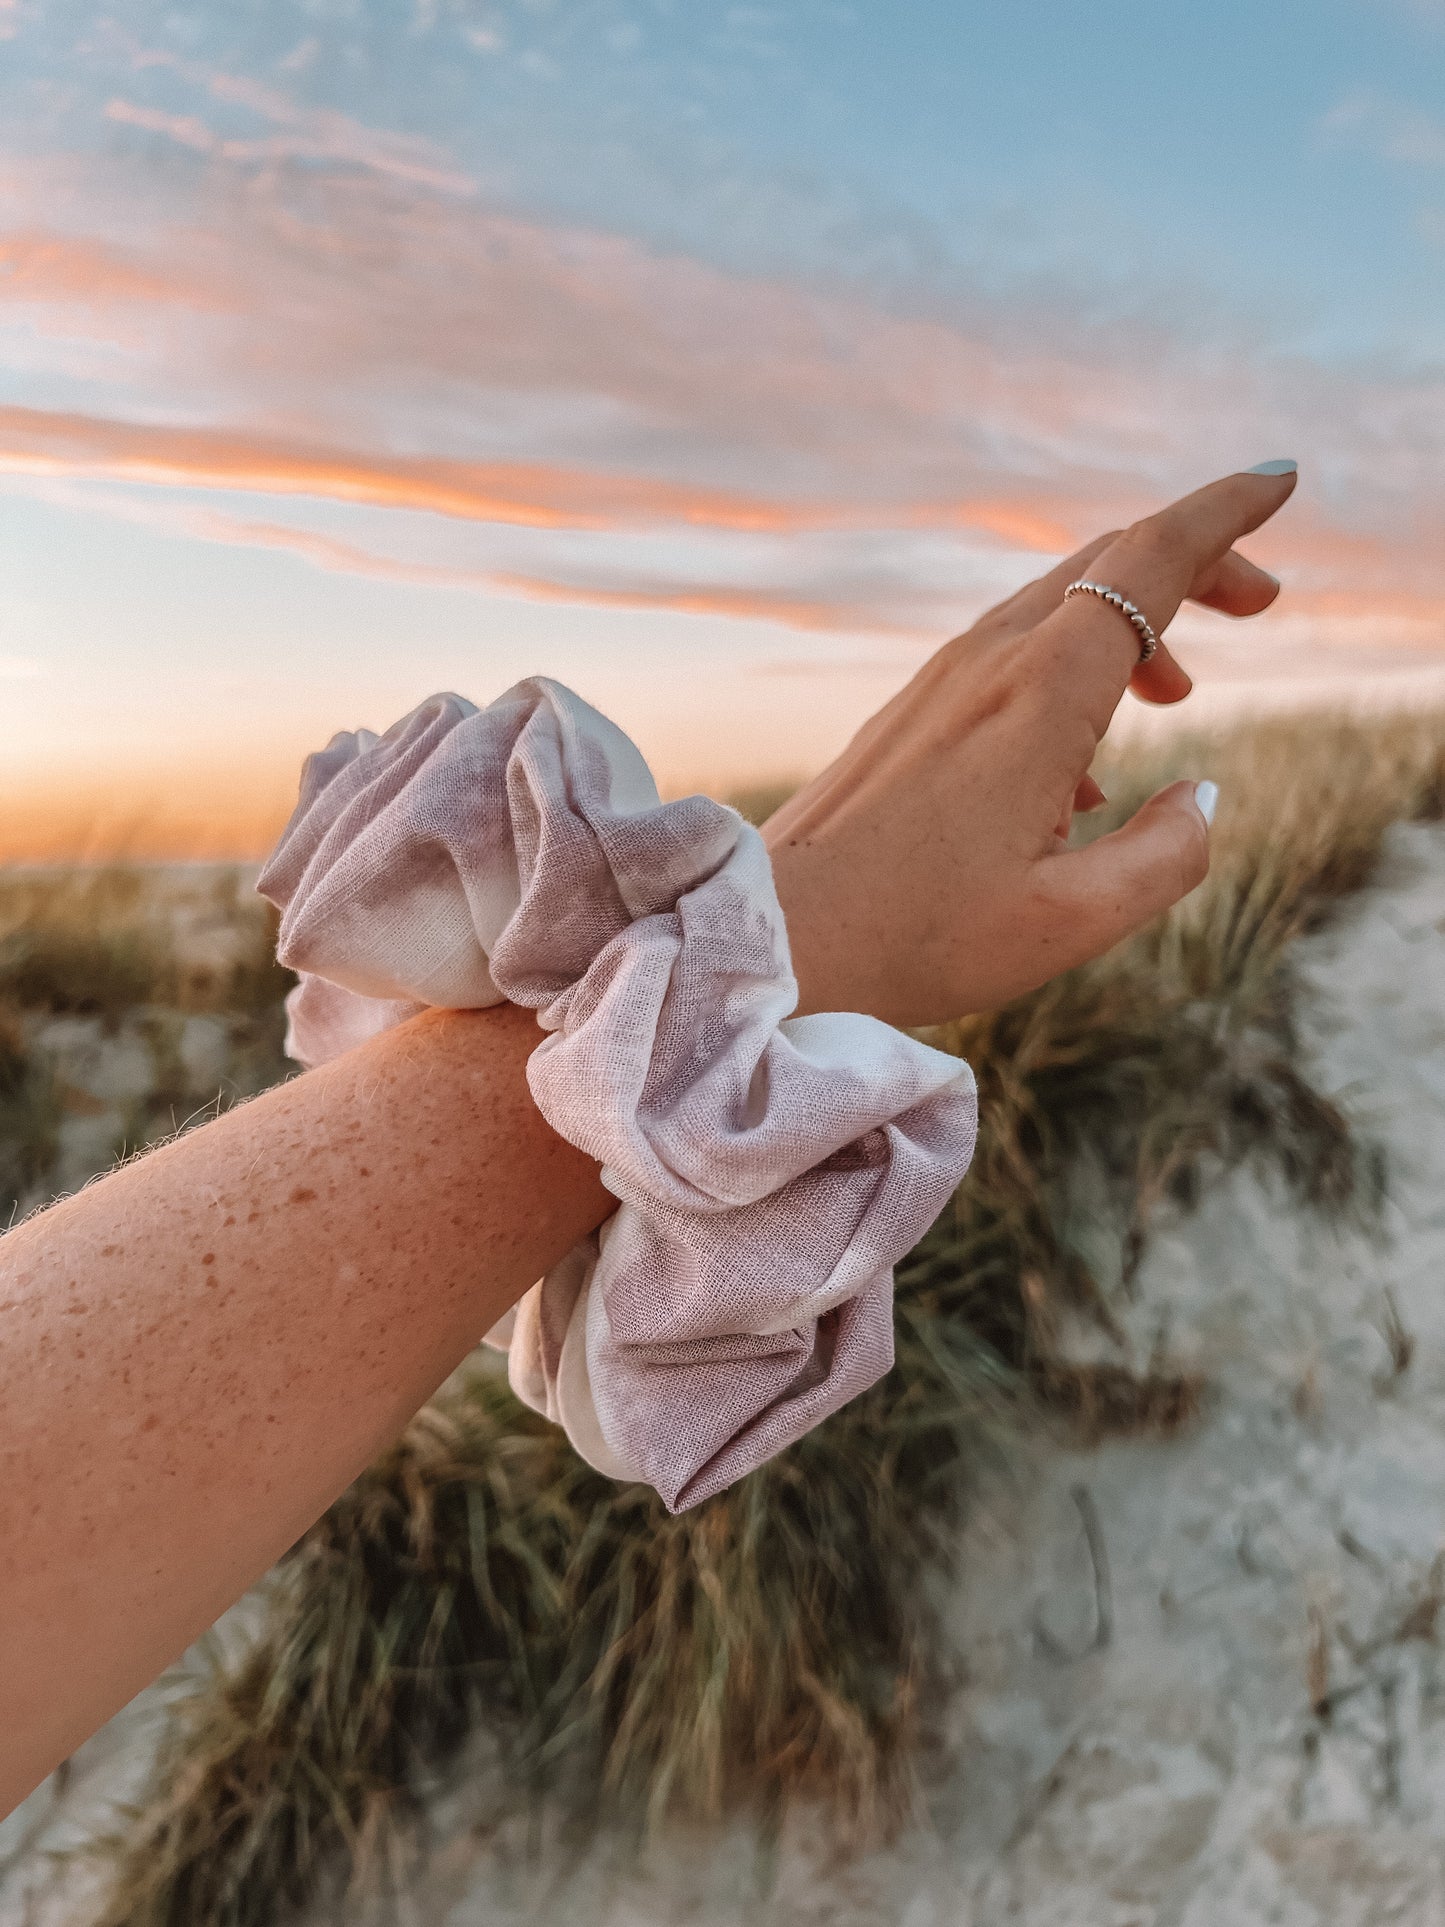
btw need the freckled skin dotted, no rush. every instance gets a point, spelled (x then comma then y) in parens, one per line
(199, 1353)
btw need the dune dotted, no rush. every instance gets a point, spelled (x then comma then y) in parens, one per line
(1197, 1679)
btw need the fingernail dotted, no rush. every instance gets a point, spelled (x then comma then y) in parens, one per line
(1206, 800)
(1282, 465)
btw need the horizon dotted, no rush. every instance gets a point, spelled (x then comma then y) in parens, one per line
(720, 367)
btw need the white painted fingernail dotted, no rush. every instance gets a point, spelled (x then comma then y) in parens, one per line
(1206, 799)
(1281, 466)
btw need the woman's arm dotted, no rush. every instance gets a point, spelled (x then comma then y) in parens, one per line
(198, 1353)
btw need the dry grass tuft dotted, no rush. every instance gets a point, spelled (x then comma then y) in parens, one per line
(115, 960)
(1105, 1399)
(100, 942)
(625, 1662)
(30, 1114)
(779, 1642)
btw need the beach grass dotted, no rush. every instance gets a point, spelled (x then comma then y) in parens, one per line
(99, 960)
(103, 940)
(480, 1596)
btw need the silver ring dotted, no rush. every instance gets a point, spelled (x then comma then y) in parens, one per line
(1148, 641)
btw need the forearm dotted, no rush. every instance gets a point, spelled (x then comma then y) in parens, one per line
(200, 1352)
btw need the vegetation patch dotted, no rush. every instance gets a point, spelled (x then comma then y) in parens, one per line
(781, 1641)
(132, 1002)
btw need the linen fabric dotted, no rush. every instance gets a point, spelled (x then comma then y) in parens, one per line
(770, 1169)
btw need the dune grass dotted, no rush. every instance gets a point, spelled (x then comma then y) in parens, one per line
(100, 941)
(780, 1642)
(90, 953)
(30, 1114)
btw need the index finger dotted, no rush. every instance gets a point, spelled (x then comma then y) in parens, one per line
(1087, 649)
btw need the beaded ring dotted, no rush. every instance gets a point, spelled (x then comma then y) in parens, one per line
(1148, 641)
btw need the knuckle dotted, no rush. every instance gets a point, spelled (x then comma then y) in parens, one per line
(995, 617)
(1035, 684)
(958, 665)
(991, 627)
(1047, 652)
(1152, 539)
(1003, 688)
(965, 645)
(1078, 739)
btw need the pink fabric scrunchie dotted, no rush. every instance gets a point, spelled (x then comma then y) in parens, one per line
(771, 1169)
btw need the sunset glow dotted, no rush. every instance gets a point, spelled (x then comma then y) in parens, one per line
(718, 362)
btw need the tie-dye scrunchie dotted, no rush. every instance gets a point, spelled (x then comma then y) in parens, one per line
(771, 1169)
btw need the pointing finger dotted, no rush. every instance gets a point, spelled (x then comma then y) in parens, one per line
(1090, 652)
(1233, 585)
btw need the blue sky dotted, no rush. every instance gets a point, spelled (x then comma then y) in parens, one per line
(720, 361)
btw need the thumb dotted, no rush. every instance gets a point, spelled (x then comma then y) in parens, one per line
(1111, 888)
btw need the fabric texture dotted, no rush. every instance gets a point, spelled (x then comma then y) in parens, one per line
(770, 1169)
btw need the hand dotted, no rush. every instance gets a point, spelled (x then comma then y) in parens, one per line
(926, 873)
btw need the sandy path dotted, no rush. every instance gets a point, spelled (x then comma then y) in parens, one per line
(1280, 1554)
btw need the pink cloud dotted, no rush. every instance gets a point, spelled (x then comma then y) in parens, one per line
(521, 494)
(561, 378)
(875, 608)
(524, 494)
(1335, 572)
(713, 599)
(45, 267)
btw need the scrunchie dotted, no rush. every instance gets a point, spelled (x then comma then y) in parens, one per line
(771, 1169)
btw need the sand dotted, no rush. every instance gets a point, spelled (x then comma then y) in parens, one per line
(1201, 1680)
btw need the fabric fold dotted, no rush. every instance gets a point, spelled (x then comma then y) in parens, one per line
(770, 1169)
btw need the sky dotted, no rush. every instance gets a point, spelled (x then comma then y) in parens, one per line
(720, 361)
